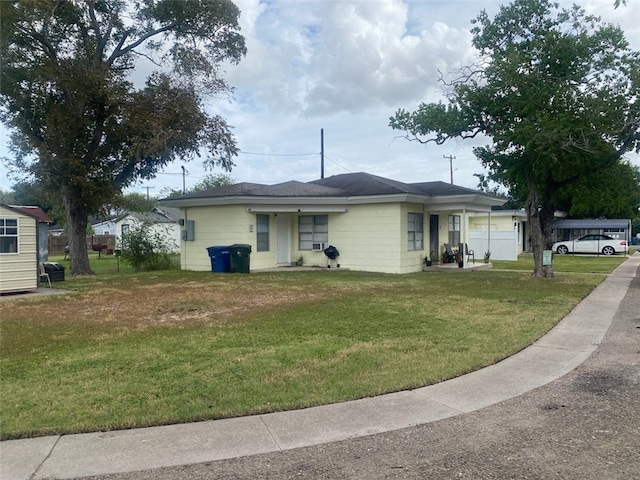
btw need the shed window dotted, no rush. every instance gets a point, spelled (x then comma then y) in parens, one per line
(415, 231)
(8, 235)
(262, 232)
(312, 229)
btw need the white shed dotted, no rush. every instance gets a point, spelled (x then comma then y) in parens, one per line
(19, 247)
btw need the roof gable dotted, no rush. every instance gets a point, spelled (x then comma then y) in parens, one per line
(357, 184)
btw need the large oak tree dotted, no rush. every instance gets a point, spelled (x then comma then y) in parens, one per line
(557, 92)
(87, 120)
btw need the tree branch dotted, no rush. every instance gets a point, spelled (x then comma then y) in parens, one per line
(119, 51)
(100, 40)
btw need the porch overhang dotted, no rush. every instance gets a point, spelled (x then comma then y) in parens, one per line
(467, 203)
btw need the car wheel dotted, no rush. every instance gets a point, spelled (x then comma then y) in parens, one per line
(608, 250)
(562, 250)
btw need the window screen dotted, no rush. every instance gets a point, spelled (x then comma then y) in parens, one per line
(312, 229)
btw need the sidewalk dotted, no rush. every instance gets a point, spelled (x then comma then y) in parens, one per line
(556, 354)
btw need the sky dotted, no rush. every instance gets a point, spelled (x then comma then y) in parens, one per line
(345, 67)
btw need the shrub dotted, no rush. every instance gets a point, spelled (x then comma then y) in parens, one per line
(146, 248)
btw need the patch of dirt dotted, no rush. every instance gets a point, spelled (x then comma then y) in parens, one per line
(139, 306)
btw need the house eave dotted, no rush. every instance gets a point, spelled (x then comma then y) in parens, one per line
(471, 203)
(251, 200)
(298, 208)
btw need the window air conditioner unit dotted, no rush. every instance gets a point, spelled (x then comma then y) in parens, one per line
(317, 247)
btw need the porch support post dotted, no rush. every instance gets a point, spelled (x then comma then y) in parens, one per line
(464, 236)
(489, 233)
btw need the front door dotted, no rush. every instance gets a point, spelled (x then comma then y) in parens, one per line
(434, 240)
(283, 238)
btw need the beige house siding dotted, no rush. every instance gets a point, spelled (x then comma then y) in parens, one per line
(19, 271)
(367, 237)
(378, 246)
(214, 226)
(497, 222)
(370, 237)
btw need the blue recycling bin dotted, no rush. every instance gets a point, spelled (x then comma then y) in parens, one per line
(220, 259)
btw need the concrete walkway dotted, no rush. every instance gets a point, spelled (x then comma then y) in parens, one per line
(560, 351)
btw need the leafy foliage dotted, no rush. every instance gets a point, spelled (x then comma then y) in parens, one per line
(613, 193)
(212, 181)
(147, 249)
(208, 182)
(133, 202)
(31, 193)
(82, 124)
(557, 92)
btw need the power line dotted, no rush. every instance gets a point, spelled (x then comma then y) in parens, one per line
(279, 154)
(336, 163)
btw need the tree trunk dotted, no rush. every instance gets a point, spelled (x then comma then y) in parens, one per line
(77, 219)
(540, 224)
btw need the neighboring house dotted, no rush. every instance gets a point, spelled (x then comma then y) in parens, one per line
(103, 227)
(163, 222)
(23, 245)
(377, 224)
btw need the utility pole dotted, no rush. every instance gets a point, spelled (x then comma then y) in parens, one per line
(147, 187)
(184, 185)
(322, 153)
(451, 159)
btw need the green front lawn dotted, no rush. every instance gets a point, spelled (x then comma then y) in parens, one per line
(124, 350)
(566, 263)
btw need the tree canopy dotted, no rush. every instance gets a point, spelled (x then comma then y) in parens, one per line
(87, 120)
(556, 90)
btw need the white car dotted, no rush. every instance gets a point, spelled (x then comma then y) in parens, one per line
(603, 244)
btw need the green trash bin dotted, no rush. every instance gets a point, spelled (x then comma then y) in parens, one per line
(239, 255)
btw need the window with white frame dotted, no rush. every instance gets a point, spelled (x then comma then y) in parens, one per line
(312, 229)
(454, 230)
(415, 231)
(262, 233)
(8, 235)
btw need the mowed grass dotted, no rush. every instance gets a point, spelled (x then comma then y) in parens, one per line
(131, 350)
(572, 263)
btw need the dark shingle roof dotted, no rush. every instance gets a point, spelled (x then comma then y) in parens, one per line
(344, 185)
(442, 188)
(286, 189)
(238, 189)
(356, 184)
(300, 189)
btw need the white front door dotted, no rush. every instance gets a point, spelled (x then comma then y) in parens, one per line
(283, 238)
